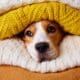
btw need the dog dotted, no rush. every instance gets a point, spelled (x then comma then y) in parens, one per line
(42, 40)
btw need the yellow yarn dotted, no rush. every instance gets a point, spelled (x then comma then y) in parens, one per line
(15, 21)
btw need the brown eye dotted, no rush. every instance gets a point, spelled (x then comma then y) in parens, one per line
(29, 33)
(51, 29)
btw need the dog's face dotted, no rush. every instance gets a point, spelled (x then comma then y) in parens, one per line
(42, 40)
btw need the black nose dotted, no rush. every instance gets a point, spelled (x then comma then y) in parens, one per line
(42, 47)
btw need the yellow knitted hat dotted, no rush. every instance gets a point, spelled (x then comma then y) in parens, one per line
(15, 21)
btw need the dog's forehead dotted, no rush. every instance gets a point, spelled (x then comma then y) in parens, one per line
(37, 26)
(41, 25)
(40, 30)
(40, 34)
(44, 24)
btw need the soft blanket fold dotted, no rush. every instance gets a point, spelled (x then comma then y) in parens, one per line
(6, 5)
(14, 52)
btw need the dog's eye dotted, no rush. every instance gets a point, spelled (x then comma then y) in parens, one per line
(29, 33)
(51, 29)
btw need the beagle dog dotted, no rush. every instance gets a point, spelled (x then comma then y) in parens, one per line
(42, 40)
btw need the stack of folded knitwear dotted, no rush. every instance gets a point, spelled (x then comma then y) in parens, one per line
(16, 15)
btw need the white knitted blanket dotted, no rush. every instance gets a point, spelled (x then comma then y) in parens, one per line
(6, 5)
(14, 52)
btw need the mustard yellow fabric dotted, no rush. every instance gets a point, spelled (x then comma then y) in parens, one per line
(15, 21)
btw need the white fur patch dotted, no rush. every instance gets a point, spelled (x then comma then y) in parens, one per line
(39, 36)
(13, 52)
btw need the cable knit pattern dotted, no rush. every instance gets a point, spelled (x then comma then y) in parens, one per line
(15, 21)
(14, 52)
(6, 5)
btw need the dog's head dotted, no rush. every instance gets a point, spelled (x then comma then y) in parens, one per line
(42, 40)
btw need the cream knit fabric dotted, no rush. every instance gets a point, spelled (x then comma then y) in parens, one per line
(6, 5)
(13, 52)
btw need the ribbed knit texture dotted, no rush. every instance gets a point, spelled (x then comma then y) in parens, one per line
(15, 21)
(14, 52)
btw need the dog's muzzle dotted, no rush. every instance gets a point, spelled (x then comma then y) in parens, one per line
(42, 47)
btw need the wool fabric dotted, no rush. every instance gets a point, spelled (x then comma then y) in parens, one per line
(6, 5)
(14, 52)
(13, 22)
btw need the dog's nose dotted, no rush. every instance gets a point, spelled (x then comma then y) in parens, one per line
(42, 47)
